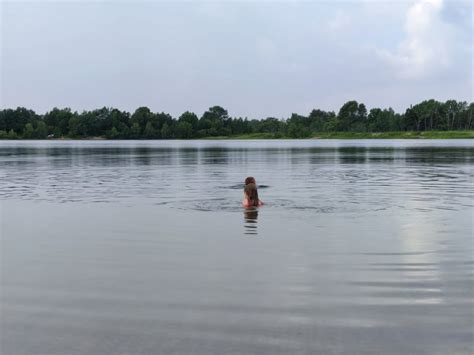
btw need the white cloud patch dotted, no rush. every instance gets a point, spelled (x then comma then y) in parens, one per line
(428, 45)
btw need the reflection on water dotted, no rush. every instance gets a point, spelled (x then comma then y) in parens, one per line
(363, 247)
(250, 221)
(325, 177)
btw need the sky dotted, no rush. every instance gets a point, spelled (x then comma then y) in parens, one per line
(256, 59)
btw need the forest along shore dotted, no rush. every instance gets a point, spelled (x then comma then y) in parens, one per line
(428, 119)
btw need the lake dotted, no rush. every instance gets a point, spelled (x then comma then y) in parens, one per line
(142, 247)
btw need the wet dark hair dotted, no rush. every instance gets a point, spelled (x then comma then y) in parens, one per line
(251, 192)
(250, 180)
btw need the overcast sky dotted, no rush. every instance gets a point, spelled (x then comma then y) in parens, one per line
(254, 58)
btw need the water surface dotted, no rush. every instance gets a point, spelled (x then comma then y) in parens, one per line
(142, 247)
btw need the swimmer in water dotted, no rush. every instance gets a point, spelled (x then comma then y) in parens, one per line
(251, 194)
(250, 180)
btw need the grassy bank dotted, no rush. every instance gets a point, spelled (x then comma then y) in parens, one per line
(362, 135)
(398, 135)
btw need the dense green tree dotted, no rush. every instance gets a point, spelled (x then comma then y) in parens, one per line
(113, 133)
(270, 125)
(150, 132)
(384, 120)
(454, 115)
(212, 121)
(3, 125)
(41, 131)
(76, 127)
(28, 132)
(240, 126)
(184, 130)
(411, 121)
(191, 118)
(347, 115)
(124, 131)
(298, 126)
(135, 130)
(17, 119)
(166, 131)
(162, 118)
(142, 116)
(319, 120)
(467, 117)
(12, 134)
(204, 127)
(332, 125)
(57, 121)
(352, 117)
(102, 121)
(424, 116)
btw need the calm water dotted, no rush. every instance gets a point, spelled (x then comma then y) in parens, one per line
(363, 247)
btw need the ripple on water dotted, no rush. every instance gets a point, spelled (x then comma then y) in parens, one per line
(314, 185)
(241, 187)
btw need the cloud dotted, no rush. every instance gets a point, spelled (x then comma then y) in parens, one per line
(428, 45)
(255, 58)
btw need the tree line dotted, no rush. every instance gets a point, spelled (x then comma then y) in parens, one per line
(112, 123)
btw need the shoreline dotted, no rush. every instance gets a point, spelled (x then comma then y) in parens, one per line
(322, 135)
(360, 135)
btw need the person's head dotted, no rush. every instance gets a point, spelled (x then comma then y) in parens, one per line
(250, 180)
(251, 193)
